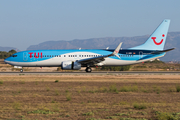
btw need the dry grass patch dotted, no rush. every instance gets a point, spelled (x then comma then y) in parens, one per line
(89, 96)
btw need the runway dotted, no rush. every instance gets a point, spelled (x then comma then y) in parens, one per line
(92, 73)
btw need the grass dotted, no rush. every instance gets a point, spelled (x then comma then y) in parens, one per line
(1, 82)
(177, 88)
(125, 89)
(167, 116)
(123, 103)
(71, 100)
(68, 96)
(134, 88)
(88, 114)
(17, 105)
(142, 113)
(139, 106)
(121, 114)
(47, 89)
(56, 81)
(36, 82)
(113, 88)
(41, 112)
(22, 82)
(56, 92)
(103, 89)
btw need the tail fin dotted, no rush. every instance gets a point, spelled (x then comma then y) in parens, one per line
(157, 40)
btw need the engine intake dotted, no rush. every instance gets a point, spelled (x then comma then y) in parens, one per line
(70, 65)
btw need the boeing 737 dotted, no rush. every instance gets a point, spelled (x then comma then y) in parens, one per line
(75, 59)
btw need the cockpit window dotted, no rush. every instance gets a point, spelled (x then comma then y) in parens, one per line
(14, 55)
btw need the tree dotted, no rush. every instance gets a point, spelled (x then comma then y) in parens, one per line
(12, 51)
(4, 55)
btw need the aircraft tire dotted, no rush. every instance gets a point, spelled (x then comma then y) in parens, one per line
(21, 70)
(88, 69)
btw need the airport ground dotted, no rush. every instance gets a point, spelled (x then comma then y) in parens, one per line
(89, 96)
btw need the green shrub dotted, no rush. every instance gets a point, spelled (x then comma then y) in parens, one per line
(56, 92)
(56, 81)
(142, 113)
(17, 105)
(167, 116)
(103, 89)
(1, 82)
(172, 89)
(157, 89)
(68, 96)
(41, 112)
(125, 89)
(88, 114)
(47, 89)
(22, 82)
(116, 68)
(139, 106)
(113, 88)
(178, 88)
(134, 88)
(121, 114)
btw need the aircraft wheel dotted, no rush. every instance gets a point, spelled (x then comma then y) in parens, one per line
(21, 70)
(88, 69)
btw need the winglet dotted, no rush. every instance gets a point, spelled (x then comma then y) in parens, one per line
(116, 51)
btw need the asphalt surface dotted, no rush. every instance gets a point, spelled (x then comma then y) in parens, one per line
(93, 72)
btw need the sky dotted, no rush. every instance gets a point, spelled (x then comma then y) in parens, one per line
(30, 22)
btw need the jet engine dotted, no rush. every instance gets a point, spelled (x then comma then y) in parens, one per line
(70, 65)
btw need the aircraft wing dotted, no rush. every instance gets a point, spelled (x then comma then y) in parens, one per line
(95, 60)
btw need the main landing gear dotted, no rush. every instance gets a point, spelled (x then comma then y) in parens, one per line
(88, 69)
(21, 70)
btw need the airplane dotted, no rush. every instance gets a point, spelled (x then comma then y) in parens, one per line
(75, 59)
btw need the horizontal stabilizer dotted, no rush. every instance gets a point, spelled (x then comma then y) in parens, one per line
(167, 50)
(156, 52)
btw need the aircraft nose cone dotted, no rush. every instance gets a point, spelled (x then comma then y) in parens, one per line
(5, 60)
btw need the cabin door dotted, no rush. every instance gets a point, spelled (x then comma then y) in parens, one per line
(140, 54)
(25, 56)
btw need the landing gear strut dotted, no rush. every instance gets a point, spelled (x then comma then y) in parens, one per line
(88, 69)
(21, 70)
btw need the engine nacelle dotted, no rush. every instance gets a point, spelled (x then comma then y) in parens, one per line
(70, 65)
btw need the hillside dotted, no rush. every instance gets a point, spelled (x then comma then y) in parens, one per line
(173, 41)
(7, 49)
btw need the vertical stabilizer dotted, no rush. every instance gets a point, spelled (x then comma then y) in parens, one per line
(157, 40)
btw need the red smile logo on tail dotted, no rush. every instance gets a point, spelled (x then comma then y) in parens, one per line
(154, 39)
